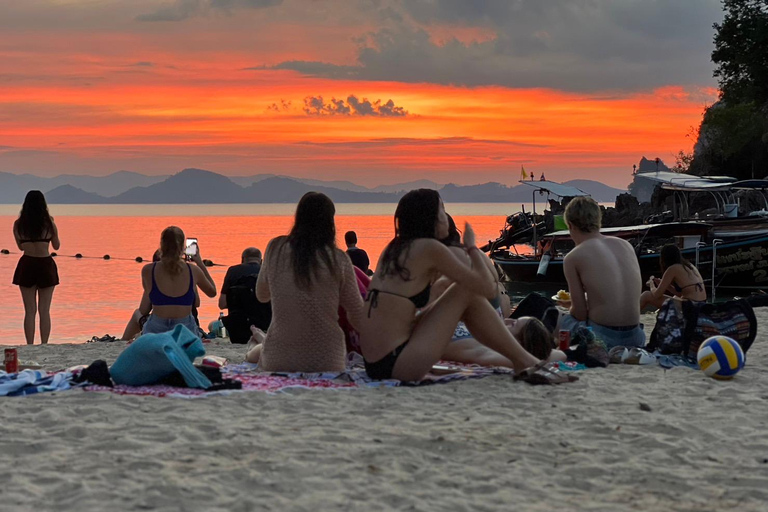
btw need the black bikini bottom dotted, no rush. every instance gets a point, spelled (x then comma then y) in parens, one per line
(382, 369)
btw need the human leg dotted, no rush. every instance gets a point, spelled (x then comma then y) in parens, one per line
(134, 326)
(44, 299)
(436, 325)
(471, 351)
(254, 353)
(253, 350)
(647, 299)
(29, 296)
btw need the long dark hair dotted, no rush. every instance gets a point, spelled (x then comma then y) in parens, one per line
(34, 221)
(415, 217)
(454, 235)
(670, 255)
(312, 238)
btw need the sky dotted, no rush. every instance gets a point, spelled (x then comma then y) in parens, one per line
(371, 91)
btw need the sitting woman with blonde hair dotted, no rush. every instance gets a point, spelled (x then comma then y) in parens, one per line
(169, 285)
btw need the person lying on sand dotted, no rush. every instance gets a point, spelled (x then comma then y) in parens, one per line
(530, 332)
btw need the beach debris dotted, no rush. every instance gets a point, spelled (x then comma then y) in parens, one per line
(645, 407)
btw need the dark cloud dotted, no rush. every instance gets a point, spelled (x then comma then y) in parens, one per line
(316, 106)
(281, 106)
(409, 141)
(581, 45)
(182, 9)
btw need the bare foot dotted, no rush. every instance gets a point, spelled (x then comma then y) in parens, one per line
(257, 335)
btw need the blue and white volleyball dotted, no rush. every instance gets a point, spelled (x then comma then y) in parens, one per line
(720, 357)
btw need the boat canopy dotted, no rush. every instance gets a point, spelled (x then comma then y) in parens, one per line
(553, 187)
(750, 185)
(688, 182)
(660, 230)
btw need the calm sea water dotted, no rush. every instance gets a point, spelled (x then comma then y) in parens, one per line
(97, 296)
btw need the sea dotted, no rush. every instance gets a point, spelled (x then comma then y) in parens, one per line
(98, 295)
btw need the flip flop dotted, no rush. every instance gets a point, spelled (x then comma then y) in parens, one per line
(618, 355)
(544, 373)
(638, 355)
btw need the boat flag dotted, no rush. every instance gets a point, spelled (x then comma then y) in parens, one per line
(523, 174)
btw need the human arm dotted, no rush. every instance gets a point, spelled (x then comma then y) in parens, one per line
(55, 242)
(225, 289)
(657, 291)
(262, 283)
(476, 279)
(145, 307)
(349, 293)
(202, 277)
(579, 309)
(16, 235)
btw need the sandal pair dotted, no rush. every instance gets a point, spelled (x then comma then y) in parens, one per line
(545, 373)
(633, 355)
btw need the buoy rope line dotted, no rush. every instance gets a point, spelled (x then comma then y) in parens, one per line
(78, 256)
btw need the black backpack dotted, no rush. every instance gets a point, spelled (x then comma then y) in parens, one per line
(241, 295)
(245, 310)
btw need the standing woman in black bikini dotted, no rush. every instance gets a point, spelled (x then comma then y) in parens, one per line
(36, 274)
(681, 279)
(396, 342)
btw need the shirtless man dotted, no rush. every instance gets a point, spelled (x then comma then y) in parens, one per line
(604, 279)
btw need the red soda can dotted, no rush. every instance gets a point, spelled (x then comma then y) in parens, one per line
(565, 339)
(11, 360)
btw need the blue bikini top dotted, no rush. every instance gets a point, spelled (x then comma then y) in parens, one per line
(158, 298)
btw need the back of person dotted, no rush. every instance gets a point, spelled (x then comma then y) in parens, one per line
(305, 334)
(359, 258)
(688, 282)
(611, 275)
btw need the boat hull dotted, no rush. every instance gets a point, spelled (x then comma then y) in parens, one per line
(740, 265)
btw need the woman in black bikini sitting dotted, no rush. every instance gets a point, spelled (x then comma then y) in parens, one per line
(681, 279)
(399, 344)
(36, 274)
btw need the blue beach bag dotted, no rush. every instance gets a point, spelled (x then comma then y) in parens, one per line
(153, 357)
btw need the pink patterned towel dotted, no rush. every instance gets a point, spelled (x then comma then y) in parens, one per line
(354, 377)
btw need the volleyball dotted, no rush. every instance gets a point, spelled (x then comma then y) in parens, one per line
(720, 357)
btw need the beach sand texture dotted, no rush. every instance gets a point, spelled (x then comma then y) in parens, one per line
(488, 444)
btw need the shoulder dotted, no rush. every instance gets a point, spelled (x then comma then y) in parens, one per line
(147, 269)
(275, 243)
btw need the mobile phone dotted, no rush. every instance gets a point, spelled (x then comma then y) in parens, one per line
(190, 250)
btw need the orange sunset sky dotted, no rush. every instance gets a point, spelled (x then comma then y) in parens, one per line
(372, 91)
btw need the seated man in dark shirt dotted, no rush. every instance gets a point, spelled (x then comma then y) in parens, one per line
(358, 256)
(238, 295)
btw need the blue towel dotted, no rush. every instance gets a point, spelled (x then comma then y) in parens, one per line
(152, 357)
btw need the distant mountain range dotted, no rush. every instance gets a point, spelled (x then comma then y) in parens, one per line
(198, 186)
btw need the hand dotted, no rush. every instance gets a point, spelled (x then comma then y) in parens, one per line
(469, 236)
(197, 258)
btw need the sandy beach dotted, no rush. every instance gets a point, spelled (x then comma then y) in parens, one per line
(487, 444)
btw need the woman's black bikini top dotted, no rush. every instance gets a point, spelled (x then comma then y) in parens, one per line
(678, 289)
(419, 300)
